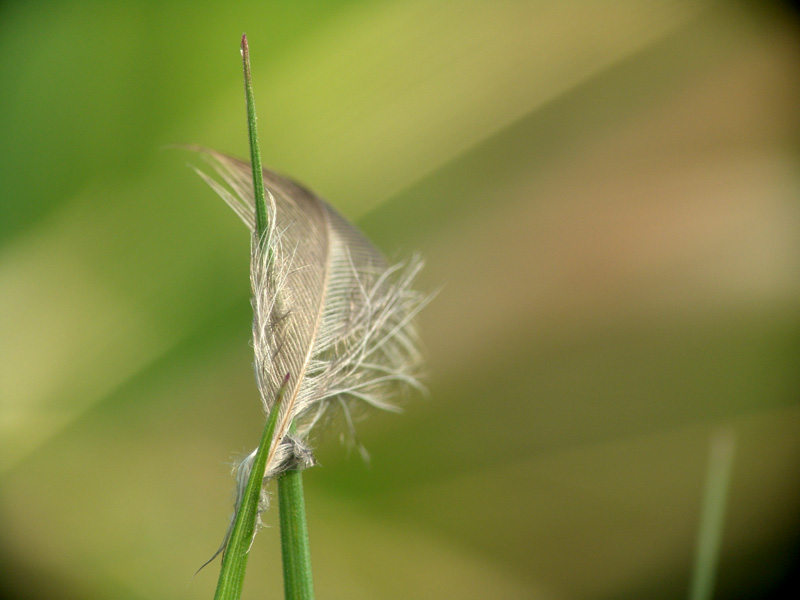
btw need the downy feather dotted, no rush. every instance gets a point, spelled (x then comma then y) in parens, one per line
(329, 312)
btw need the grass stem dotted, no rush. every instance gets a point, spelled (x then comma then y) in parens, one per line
(709, 539)
(297, 582)
(255, 152)
(294, 530)
(234, 558)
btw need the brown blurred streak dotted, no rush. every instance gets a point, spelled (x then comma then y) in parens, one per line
(682, 208)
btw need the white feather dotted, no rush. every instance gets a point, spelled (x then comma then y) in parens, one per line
(329, 312)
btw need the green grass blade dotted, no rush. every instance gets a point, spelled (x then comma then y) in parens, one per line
(709, 540)
(234, 559)
(255, 152)
(297, 580)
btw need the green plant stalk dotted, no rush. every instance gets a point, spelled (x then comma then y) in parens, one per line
(709, 539)
(234, 559)
(298, 583)
(255, 152)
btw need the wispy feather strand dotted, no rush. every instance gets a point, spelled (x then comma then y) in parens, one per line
(328, 311)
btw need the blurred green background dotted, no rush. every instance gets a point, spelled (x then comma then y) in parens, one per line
(606, 192)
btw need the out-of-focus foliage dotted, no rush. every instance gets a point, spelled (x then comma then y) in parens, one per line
(607, 192)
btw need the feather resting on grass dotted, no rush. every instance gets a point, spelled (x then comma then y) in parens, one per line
(328, 312)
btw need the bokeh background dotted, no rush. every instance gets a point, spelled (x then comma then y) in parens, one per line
(607, 197)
